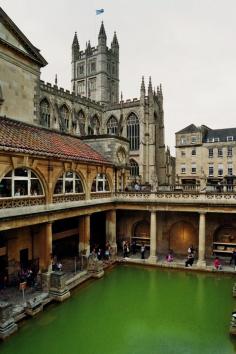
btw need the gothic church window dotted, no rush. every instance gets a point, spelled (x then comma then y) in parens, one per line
(21, 182)
(68, 183)
(112, 126)
(65, 115)
(133, 131)
(134, 168)
(94, 127)
(44, 113)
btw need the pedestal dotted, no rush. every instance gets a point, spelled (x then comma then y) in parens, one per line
(7, 322)
(58, 289)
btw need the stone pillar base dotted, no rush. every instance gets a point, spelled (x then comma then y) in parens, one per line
(98, 275)
(46, 281)
(152, 259)
(7, 328)
(59, 295)
(201, 264)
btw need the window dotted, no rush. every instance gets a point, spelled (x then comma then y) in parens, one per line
(92, 84)
(229, 151)
(112, 126)
(210, 152)
(211, 170)
(20, 182)
(80, 69)
(94, 126)
(93, 66)
(183, 169)
(134, 168)
(133, 131)
(193, 152)
(68, 183)
(194, 168)
(193, 139)
(220, 169)
(216, 140)
(220, 152)
(183, 153)
(80, 124)
(65, 115)
(182, 140)
(100, 183)
(230, 169)
(80, 87)
(210, 140)
(44, 113)
(230, 138)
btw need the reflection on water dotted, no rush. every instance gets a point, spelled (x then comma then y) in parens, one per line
(135, 310)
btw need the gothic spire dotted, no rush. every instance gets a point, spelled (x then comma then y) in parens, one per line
(150, 86)
(143, 84)
(114, 42)
(75, 41)
(102, 33)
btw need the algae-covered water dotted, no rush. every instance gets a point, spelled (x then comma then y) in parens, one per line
(135, 310)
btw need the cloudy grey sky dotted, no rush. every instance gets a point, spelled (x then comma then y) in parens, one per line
(187, 45)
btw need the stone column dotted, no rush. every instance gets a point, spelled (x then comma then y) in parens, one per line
(43, 245)
(84, 234)
(202, 240)
(111, 229)
(153, 238)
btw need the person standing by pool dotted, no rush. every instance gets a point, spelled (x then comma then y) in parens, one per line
(217, 264)
(142, 251)
(233, 259)
(190, 260)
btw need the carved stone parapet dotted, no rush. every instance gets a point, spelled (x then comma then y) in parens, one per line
(21, 202)
(68, 198)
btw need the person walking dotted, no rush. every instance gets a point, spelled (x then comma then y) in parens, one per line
(142, 251)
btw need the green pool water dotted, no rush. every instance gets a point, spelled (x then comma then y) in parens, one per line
(135, 310)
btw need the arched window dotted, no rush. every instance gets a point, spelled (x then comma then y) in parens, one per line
(45, 113)
(112, 126)
(94, 127)
(65, 115)
(100, 183)
(133, 131)
(67, 183)
(20, 182)
(134, 168)
(81, 122)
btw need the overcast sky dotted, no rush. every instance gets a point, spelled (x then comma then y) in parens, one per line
(187, 45)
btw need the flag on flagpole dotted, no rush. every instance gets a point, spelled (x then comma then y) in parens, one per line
(99, 11)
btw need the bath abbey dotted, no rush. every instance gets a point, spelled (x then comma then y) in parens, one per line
(86, 180)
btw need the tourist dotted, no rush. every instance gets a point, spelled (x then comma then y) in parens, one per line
(59, 266)
(99, 254)
(190, 260)
(169, 257)
(233, 259)
(134, 247)
(217, 264)
(125, 249)
(137, 187)
(142, 251)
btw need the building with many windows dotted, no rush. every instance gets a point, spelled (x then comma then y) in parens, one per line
(206, 156)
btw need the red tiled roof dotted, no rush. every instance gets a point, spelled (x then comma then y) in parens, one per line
(21, 137)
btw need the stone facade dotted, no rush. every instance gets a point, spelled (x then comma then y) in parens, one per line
(206, 156)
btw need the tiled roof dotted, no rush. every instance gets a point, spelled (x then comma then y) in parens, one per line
(21, 137)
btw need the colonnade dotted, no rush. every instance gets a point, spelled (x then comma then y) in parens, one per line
(45, 238)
